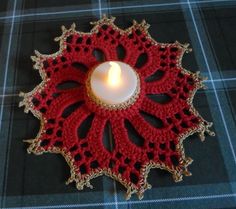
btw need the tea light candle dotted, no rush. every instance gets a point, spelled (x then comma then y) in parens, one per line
(113, 82)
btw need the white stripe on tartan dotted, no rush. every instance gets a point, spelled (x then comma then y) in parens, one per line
(178, 199)
(211, 78)
(115, 8)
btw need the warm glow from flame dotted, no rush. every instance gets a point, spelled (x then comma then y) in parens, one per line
(114, 74)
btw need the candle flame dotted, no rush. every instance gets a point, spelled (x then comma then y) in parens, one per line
(114, 74)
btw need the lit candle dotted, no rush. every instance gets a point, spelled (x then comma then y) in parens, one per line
(113, 82)
(114, 74)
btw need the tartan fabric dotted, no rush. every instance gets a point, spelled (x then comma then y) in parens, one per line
(28, 181)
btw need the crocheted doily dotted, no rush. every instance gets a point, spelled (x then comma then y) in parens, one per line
(62, 111)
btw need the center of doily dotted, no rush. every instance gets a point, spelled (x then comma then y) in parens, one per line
(114, 84)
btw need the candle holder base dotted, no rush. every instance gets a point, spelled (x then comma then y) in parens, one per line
(107, 96)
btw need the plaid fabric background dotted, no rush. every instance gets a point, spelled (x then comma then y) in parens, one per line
(29, 181)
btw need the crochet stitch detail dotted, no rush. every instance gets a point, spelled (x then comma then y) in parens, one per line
(161, 124)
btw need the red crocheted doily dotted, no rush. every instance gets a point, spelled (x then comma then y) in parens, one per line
(62, 111)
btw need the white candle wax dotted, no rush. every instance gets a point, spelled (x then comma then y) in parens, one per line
(113, 82)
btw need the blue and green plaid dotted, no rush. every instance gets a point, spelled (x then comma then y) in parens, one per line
(29, 181)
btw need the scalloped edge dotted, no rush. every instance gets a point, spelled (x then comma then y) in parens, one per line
(84, 180)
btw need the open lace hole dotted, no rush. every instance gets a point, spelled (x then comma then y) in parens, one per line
(151, 119)
(83, 169)
(163, 64)
(55, 95)
(65, 85)
(162, 146)
(162, 49)
(142, 60)
(172, 145)
(69, 39)
(169, 120)
(143, 39)
(190, 81)
(45, 64)
(88, 41)
(68, 49)
(148, 45)
(138, 166)
(163, 56)
(175, 130)
(120, 51)
(173, 49)
(121, 169)
(44, 142)
(43, 110)
(186, 90)
(150, 155)
(59, 133)
(138, 32)
(177, 116)
(160, 98)
(80, 66)
(106, 37)
(112, 164)
(99, 55)
(181, 96)
(35, 102)
(184, 125)
(88, 154)
(174, 159)
(151, 145)
(43, 94)
(133, 134)
(79, 40)
(63, 59)
(58, 143)
(51, 121)
(180, 75)
(162, 157)
(172, 65)
(83, 145)
(94, 164)
(133, 178)
(186, 111)
(127, 160)
(86, 49)
(56, 69)
(158, 75)
(77, 157)
(173, 91)
(70, 109)
(131, 36)
(111, 31)
(118, 155)
(85, 126)
(195, 120)
(74, 148)
(49, 131)
(99, 34)
(104, 27)
(108, 139)
(48, 102)
(54, 62)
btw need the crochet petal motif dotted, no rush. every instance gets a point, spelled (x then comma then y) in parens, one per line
(63, 110)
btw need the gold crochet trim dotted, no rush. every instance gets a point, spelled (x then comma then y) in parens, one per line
(84, 180)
